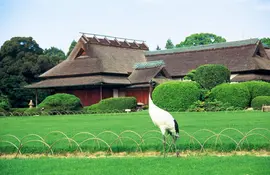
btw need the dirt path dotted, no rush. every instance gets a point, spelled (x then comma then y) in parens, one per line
(144, 154)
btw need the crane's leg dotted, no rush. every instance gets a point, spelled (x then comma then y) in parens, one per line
(174, 142)
(164, 145)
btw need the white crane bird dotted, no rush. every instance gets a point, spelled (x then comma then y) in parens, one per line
(163, 119)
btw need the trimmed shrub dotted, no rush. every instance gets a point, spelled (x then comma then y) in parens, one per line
(61, 102)
(257, 102)
(4, 103)
(202, 106)
(33, 111)
(113, 105)
(2, 110)
(190, 75)
(18, 110)
(257, 88)
(211, 75)
(237, 95)
(176, 95)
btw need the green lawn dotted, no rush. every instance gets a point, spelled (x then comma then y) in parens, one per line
(139, 122)
(190, 165)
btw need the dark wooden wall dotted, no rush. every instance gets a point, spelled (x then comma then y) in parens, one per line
(89, 96)
(92, 96)
(141, 94)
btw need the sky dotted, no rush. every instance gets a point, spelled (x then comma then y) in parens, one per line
(58, 22)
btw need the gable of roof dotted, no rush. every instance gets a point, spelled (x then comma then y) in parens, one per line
(81, 66)
(237, 56)
(100, 55)
(146, 71)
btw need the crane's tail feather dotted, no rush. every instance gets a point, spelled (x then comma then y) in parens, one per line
(176, 128)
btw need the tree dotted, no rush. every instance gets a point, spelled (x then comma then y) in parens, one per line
(71, 47)
(21, 61)
(266, 41)
(54, 52)
(211, 75)
(198, 39)
(158, 48)
(169, 44)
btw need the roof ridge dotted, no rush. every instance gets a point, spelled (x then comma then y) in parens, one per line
(149, 64)
(205, 47)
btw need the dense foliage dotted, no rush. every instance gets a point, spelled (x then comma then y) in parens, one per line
(211, 75)
(169, 44)
(202, 106)
(266, 41)
(257, 88)
(176, 95)
(61, 102)
(190, 75)
(21, 61)
(4, 103)
(237, 95)
(113, 105)
(55, 54)
(71, 47)
(198, 39)
(259, 101)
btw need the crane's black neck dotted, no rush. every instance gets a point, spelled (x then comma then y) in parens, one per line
(151, 89)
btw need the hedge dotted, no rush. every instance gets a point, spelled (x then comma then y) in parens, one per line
(113, 105)
(190, 75)
(61, 102)
(211, 75)
(258, 101)
(237, 95)
(257, 88)
(202, 106)
(176, 95)
(4, 103)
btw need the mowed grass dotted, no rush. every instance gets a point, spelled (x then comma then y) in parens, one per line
(139, 122)
(205, 165)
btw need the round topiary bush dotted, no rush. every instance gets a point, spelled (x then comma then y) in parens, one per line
(4, 103)
(61, 102)
(257, 88)
(237, 95)
(258, 101)
(211, 75)
(113, 105)
(176, 95)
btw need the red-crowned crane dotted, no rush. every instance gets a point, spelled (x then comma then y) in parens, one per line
(163, 119)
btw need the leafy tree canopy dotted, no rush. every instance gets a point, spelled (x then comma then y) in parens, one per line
(55, 52)
(169, 44)
(266, 41)
(21, 61)
(201, 39)
(71, 47)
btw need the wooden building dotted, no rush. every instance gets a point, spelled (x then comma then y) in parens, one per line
(246, 59)
(103, 66)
